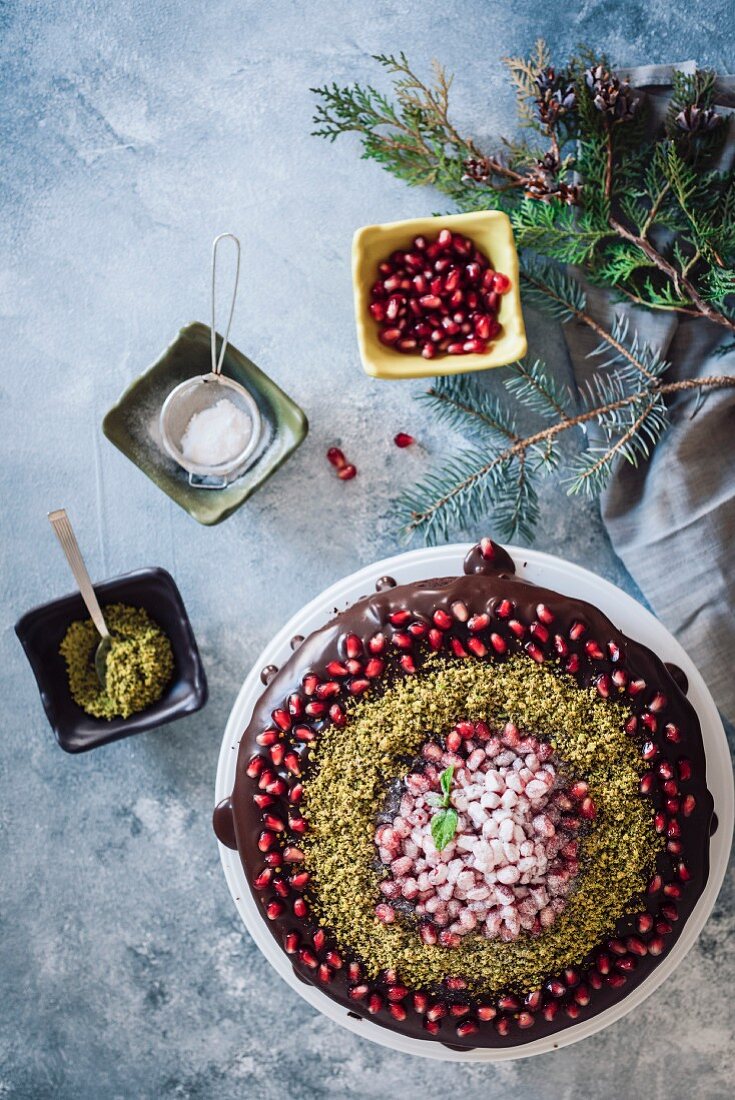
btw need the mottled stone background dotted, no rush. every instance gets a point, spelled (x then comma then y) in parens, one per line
(134, 132)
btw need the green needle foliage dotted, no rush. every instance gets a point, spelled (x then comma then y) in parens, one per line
(592, 183)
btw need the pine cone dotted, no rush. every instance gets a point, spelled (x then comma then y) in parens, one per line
(542, 184)
(695, 119)
(556, 96)
(477, 169)
(611, 95)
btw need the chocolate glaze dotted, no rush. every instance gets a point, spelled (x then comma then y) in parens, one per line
(296, 641)
(487, 582)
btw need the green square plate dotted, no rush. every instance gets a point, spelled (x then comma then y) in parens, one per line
(132, 424)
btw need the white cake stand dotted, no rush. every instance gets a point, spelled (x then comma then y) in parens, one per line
(560, 576)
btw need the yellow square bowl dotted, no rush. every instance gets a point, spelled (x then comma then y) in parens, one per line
(491, 232)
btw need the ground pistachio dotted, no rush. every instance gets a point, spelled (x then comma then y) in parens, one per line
(140, 663)
(352, 769)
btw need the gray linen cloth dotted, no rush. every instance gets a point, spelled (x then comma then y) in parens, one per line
(672, 519)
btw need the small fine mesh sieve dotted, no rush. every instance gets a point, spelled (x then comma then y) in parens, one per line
(202, 392)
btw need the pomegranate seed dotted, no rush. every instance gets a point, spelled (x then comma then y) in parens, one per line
(336, 457)
(647, 783)
(656, 945)
(255, 767)
(468, 1027)
(636, 946)
(635, 687)
(436, 639)
(429, 935)
(300, 908)
(672, 732)
(534, 651)
(267, 737)
(550, 1010)
(684, 767)
(442, 619)
(274, 910)
(486, 1012)
(478, 622)
(457, 648)
(576, 631)
(670, 912)
(337, 714)
(347, 472)
(476, 646)
(274, 823)
(274, 859)
(263, 800)
(644, 922)
(593, 650)
(263, 879)
(403, 439)
(688, 805)
(582, 995)
(572, 664)
(655, 884)
(291, 943)
(358, 992)
(304, 733)
(499, 644)
(539, 632)
(300, 881)
(281, 887)
(266, 841)
(437, 1011)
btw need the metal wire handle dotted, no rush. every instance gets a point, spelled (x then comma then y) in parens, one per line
(217, 363)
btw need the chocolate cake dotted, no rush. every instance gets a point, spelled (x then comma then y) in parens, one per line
(472, 809)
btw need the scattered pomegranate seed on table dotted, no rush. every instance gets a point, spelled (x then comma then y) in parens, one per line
(345, 470)
(403, 440)
(441, 296)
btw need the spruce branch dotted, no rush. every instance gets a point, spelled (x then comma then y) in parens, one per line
(475, 484)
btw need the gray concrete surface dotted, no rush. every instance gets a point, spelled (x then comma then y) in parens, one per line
(134, 132)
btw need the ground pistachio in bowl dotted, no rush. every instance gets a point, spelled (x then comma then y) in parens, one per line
(140, 663)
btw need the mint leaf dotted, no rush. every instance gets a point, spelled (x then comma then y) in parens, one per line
(443, 827)
(445, 781)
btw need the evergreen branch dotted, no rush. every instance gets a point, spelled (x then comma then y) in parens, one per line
(465, 490)
(460, 401)
(570, 304)
(535, 388)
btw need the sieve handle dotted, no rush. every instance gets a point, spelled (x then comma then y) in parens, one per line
(217, 363)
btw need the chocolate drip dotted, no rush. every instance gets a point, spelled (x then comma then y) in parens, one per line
(267, 674)
(223, 824)
(384, 582)
(679, 676)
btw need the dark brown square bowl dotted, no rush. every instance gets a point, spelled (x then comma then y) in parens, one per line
(41, 631)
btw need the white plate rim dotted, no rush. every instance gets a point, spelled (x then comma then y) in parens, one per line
(563, 576)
